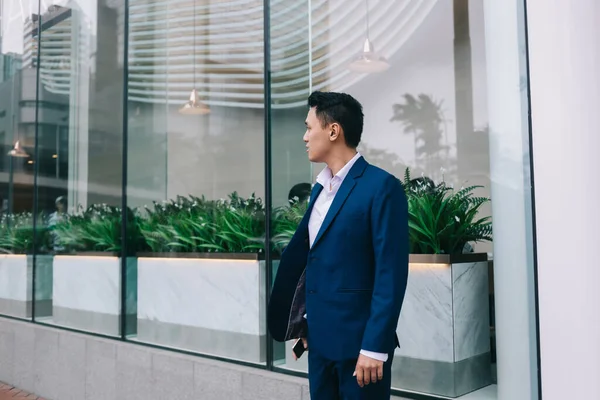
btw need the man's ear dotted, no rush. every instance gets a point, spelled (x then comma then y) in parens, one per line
(335, 131)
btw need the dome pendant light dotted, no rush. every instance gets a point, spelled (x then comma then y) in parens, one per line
(368, 60)
(194, 106)
(17, 151)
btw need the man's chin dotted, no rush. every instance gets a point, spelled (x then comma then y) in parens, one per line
(313, 159)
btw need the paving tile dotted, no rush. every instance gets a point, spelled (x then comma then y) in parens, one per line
(100, 364)
(71, 376)
(173, 377)
(7, 353)
(45, 356)
(268, 386)
(23, 367)
(8, 392)
(134, 373)
(212, 382)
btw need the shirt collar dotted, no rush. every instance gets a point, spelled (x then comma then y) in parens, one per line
(326, 176)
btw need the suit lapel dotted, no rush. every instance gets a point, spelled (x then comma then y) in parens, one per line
(314, 194)
(313, 197)
(303, 226)
(341, 196)
(339, 200)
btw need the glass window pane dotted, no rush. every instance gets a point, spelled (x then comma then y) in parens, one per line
(425, 98)
(18, 69)
(80, 149)
(291, 172)
(196, 175)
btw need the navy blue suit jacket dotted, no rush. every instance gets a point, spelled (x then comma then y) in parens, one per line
(351, 283)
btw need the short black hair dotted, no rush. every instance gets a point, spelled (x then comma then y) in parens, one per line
(61, 200)
(342, 108)
(300, 192)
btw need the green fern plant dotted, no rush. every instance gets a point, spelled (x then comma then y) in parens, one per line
(285, 222)
(193, 224)
(442, 220)
(17, 234)
(97, 228)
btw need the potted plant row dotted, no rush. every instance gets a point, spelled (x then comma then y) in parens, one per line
(444, 327)
(205, 258)
(16, 266)
(87, 280)
(195, 276)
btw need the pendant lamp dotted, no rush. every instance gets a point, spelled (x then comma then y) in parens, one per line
(194, 106)
(368, 60)
(18, 151)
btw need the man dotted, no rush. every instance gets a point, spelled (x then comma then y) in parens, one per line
(61, 209)
(55, 218)
(342, 278)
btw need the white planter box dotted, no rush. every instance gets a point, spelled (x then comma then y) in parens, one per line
(444, 327)
(212, 306)
(16, 277)
(87, 293)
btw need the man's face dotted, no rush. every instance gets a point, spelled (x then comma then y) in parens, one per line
(317, 138)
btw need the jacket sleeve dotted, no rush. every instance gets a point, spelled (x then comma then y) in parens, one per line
(389, 224)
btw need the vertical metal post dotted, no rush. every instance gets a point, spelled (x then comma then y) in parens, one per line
(124, 244)
(463, 76)
(525, 67)
(267, 148)
(35, 157)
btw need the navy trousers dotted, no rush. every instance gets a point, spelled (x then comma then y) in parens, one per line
(333, 380)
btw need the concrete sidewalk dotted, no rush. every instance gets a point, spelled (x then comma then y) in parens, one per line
(60, 365)
(8, 392)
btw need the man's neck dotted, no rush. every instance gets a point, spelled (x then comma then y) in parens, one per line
(337, 161)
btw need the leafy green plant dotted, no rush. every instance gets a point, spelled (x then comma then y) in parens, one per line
(175, 225)
(442, 220)
(97, 228)
(193, 224)
(241, 230)
(17, 234)
(285, 222)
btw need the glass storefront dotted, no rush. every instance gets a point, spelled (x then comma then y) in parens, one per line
(136, 201)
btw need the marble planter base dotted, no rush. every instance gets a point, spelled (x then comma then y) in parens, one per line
(444, 327)
(16, 283)
(210, 306)
(87, 293)
(221, 343)
(448, 379)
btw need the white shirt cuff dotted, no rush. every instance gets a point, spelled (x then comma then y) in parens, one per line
(376, 356)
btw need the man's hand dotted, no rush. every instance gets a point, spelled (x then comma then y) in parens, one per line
(305, 343)
(368, 370)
